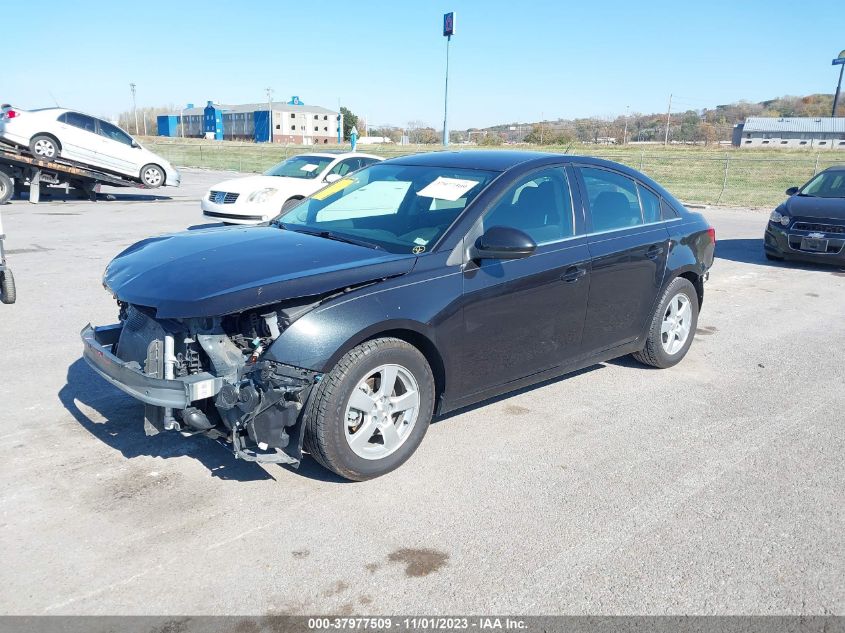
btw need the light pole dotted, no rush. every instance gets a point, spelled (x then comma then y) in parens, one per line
(668, 115)
(839, 61)
(134, 107)
(448, 32)
(269, 92)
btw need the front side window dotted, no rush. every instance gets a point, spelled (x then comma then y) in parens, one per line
(539, 205)
(346, 166)
(398, 208)
(82, 121)
(612, 198)
(114, 133)
(305, 167)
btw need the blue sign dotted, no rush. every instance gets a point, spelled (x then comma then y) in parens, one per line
(295, 101)
(449, 24)
(838, 60)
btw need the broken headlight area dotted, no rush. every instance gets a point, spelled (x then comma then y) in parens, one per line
(232, 394)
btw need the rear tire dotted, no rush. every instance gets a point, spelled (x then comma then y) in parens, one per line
(392, 417)
(44, 147)
(152, 176)
(7, 188)
(8, 293)
(672, 327)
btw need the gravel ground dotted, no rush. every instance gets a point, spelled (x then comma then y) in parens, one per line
(715, 487)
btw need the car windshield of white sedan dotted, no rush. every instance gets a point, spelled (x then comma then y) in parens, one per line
(306, 167)
(829, 184)
(397, 208)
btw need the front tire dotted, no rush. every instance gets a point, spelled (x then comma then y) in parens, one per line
(290, 203)
(672, 327)
(152, 176)
(369, 414)
(44, 147)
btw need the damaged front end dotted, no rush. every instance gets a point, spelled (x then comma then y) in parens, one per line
(208, 376)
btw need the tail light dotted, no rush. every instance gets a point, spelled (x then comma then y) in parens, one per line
(712, 233)
(11, 114)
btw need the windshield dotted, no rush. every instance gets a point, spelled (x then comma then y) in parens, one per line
(399, 208)
(828, 184)
(306, 167)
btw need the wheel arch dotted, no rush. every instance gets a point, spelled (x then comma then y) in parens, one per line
(696, 279)
(161, 169)
(49, 135)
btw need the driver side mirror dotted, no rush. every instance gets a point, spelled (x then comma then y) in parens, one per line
(332, 178)
(792, 191)
(502, 242)
(135, 144)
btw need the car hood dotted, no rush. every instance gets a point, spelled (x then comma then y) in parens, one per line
(807, 207)
(247, 185)
(219, 271)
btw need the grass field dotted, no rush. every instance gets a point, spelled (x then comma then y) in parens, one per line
(718, 175)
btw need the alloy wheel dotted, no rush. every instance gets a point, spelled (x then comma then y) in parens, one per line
(675, 328)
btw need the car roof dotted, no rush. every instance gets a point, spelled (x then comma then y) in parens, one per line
(338, 154)
(836, 168)
(490, 159)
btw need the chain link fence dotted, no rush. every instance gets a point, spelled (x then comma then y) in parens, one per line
(706, 177)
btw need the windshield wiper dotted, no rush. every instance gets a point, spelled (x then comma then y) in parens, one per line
(807, 195)
(330, 236)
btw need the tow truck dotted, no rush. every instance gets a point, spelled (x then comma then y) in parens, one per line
(19, 170)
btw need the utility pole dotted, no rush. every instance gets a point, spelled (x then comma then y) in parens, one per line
(134, 107)
(541, 128)
(269, 92)
(668, 114)
(625, 133)
(840, 61)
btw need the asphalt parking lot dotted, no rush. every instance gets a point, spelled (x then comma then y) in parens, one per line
(715, 487)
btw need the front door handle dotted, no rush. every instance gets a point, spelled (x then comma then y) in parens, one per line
(573, 273)
(654, 251)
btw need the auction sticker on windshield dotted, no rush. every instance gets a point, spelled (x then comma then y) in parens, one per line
(447, 188)
(308, 168)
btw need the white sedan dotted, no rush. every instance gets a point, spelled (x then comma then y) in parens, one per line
(56, 133)
(257, 199)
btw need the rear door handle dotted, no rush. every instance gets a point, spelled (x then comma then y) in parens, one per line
(654, 251)
(573, 273)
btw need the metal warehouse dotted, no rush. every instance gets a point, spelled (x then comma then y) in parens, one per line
(809, 132)
(292, 122)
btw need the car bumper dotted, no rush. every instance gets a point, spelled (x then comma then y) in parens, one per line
(177, 393)
(232, 214)
(786, 243)
(172, 178)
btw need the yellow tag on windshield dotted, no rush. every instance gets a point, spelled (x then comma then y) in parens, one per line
(332, 189)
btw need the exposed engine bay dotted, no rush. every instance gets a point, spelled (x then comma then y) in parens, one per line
(252, 404)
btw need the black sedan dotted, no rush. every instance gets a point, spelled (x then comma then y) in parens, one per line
(810, 225)
(414, 287)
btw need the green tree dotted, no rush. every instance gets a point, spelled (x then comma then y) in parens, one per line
(350, 120)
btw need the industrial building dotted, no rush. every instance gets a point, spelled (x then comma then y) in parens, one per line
(292, 122)
(789, 132)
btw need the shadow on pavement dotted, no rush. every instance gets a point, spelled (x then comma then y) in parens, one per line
(750, 251)
(60, 195)
(123, 428)
(511, 394)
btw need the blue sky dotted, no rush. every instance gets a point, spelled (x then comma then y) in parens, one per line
(510, 61)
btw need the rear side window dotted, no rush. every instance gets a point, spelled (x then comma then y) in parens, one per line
(650, 203)
(82, 121)
(613, 199)
(669, 211)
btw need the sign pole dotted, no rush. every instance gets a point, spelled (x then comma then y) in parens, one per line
(448, 32)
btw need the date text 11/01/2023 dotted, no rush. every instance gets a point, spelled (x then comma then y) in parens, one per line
(416, 623)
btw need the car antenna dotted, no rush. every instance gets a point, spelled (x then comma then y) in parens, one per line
(54, 99)
(568, 147)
